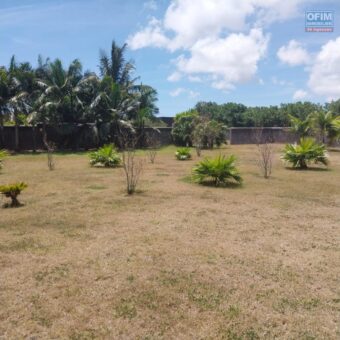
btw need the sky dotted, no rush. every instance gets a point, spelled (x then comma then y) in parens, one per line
(254, 52)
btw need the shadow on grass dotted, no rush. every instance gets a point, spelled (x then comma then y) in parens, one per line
(316, 169)
(211, 184)
(44, 152)
(334, 149)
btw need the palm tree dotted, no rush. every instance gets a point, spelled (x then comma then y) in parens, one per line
(59, 94)
(302, 127)
(328, 125)
(4, 98)
(21, 82)
(115, 66)
(112, 105)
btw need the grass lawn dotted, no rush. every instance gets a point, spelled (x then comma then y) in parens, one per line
(82, 260)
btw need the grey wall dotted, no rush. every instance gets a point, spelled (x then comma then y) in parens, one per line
(244, 135)
(78, 137)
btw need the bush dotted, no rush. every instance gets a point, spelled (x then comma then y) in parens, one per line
(106, 156)
(208, 133)
(183, 127)
(3, 154)
(219, 170)
(183, 154)
(13, 191)
(308, 151)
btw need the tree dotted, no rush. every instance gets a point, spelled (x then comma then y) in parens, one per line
(115, 66)
(328, 125)
(302, 127)
(21, 82)
(4, 98)
(183, 127)
(207, 133)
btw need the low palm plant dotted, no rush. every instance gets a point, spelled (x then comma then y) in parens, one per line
(219, 170)
(183, 154)
(306, 152)
(106, 156)
(13, 191)
(3, 154)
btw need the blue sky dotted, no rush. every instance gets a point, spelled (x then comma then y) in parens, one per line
(254, 52)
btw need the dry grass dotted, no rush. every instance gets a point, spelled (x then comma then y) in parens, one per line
(82, 260)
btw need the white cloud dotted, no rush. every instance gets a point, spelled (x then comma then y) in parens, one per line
(152, 35)
(177, 92)
(281, 82)
(180, 90)
(195, 79)
(221, 39)
(193, 94)
(293, 54)
(324, 78)
(176, 76)
(300, 95)
(151, 5)
(229, 60)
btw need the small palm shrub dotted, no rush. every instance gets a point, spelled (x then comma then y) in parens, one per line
(3, 154)
(183, 154)
(307, 151)
(106, 156)
(13, 191)
(219, 170)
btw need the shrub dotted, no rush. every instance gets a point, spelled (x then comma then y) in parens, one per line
(132, 165)
(153, 144)
(183, 127)
(13, 191)
(207, 132)
(106, 156)
(265, 159)
(300, 155)
(183, 154)
(219, 170)
(3, 154)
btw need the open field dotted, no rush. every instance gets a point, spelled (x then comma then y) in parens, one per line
(82, 260)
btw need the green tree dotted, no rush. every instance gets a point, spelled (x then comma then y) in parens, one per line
(327, 125)
(301, 127)
(183, 127)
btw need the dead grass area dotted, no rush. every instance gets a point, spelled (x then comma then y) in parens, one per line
(82, 260)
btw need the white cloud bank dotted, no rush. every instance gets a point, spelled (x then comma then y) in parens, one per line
(324, 77)
(220, 39)
(300, 95)
(293, 54)
(180, 90)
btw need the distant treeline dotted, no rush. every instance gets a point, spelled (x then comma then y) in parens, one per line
(239, 115)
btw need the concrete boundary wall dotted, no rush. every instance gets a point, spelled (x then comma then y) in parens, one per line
(251, 135)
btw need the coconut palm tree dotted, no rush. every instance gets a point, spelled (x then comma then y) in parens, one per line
(4, 98)
(21, 85)
(115, 65)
